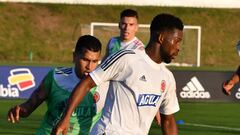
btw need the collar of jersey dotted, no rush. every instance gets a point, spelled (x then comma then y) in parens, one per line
(126, 43)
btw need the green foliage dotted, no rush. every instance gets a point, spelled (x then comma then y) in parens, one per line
(50, 31)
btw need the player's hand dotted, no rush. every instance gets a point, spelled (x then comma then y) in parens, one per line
(158, 119)
(61, 127)
(13, 114)
(227, 87)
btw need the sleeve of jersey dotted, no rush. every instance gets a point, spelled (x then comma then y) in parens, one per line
(112, 68)
(170, 103)
(109, 45)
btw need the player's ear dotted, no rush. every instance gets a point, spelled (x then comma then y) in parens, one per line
(160, 38)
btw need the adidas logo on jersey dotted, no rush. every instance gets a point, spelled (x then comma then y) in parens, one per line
(194, 89)
(143, 78)
(148, 99)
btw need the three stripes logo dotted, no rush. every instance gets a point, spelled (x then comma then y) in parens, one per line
(194, 89)
(113, 58)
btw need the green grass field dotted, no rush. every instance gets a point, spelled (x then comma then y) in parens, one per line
(199, 119)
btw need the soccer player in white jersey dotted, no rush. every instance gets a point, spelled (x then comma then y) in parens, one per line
(140, 85)
(56, 88)
(128, 26)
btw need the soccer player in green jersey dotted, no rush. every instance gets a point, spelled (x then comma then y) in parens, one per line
(56, 87)
(128, 26)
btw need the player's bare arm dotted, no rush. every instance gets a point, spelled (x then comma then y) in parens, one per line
(75, 98)
(168, 124)
(227, 87)
(26, 108)
(229, 84)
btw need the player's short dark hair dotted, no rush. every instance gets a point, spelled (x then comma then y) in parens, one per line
(129, 13)
(163, 22)
(87, 42)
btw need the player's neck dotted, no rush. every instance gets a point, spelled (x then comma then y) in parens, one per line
(152, 51)
(80, 76)
(126, 40)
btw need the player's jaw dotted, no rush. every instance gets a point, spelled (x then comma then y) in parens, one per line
(127, 36)
(174, 55)
(167, 57)
(83, 74)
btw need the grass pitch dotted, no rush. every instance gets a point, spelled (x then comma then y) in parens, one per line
(198, 118)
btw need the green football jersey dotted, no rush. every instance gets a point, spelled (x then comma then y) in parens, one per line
(60, 82)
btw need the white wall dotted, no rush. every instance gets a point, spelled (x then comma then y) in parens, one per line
(181, 3)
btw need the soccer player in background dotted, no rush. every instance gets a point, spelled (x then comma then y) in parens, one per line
(140, 85)
(128, 26)
(57, 86)
(229, 84)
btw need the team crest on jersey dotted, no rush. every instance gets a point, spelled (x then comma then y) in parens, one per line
(163, 85)
(96, 97)
(148, 99)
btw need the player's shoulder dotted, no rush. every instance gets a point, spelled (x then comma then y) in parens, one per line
(65, 77)
(133, 55)
(138, 40)
(63, 70)
(124, 53)
(114, 39)
(121, 55)
(166, 70)
(138, 43)
(129, 54)
(63, 73)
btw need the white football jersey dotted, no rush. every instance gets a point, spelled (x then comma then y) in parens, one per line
(138, 88)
